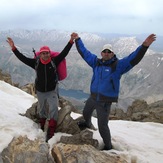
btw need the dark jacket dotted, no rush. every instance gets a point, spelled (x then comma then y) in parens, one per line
(105, 82)
(46, 76)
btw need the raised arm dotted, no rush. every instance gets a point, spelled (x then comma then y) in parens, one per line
(65, 51)
(135, 57)
(89, 57)
(149, 40)
(28, 61)
(11, 43)
(145, 45)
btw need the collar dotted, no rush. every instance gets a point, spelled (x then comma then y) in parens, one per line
(45, 62)
(108, 62)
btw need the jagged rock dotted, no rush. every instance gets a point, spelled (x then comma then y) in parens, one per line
(137, 106)
(5, 77)
(84, 137)
(29, 88)
(31, 113)
(69, 153)
(63, 103)
(140, 111)
(117, 114)
(65, 122)
(23, 150)
(139, 116)
(156, 114)
(143, 112)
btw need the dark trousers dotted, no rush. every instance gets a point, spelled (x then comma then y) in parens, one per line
(103, 110)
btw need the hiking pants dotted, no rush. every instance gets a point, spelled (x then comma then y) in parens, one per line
(103, 110)
(51, 99)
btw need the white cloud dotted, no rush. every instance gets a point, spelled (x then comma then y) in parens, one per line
(83, 15)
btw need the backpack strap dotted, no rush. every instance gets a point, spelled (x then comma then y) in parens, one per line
(33, 50)
(37, 62)
(55, 69)
(37, 59)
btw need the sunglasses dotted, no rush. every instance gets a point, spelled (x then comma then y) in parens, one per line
(106, 51)
(45, 53)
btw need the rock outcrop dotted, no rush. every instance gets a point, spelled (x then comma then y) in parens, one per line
(140, 111)
(84, 137)
(5, 77)
(80, 147)
(23, 150)
(83, 154)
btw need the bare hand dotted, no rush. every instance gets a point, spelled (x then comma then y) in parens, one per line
(74, 36)
(149, 40)
(10, 42)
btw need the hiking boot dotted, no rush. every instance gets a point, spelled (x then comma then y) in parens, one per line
(83, 125)
(106, 148)
(42, 123)
(51, 129)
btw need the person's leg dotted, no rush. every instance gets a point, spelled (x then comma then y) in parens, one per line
(88, 110)
(87, 114)
(41, 108)
(52, 100)
(103, 110)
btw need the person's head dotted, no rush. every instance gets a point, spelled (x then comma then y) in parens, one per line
(107, 52)
(44, 52)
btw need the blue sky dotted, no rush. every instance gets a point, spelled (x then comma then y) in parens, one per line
(105, 16)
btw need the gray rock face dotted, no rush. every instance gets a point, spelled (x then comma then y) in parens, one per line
(84, 137)
(83, 154)
(7, 78)
(23, 150)
(140, 111)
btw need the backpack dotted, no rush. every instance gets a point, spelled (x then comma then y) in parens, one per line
(61, 69)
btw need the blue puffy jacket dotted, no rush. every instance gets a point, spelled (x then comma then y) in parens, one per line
(106, 81)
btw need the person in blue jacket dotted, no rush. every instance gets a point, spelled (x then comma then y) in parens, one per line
(105, 84)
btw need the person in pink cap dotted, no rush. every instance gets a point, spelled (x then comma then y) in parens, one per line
(45, 82)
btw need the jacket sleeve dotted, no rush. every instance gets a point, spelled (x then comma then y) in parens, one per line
(133, 59)
(90, 58)
(28, 61)
(63, 54)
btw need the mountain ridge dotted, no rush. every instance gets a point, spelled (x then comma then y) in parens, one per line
(142, 81)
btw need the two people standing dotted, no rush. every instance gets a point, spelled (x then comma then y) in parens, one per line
(104, 88)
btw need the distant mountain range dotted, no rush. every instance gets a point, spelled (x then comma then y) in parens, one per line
(144, 81)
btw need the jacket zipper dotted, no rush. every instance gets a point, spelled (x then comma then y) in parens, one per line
(98, 95)
(112, 84)
(45, 79)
